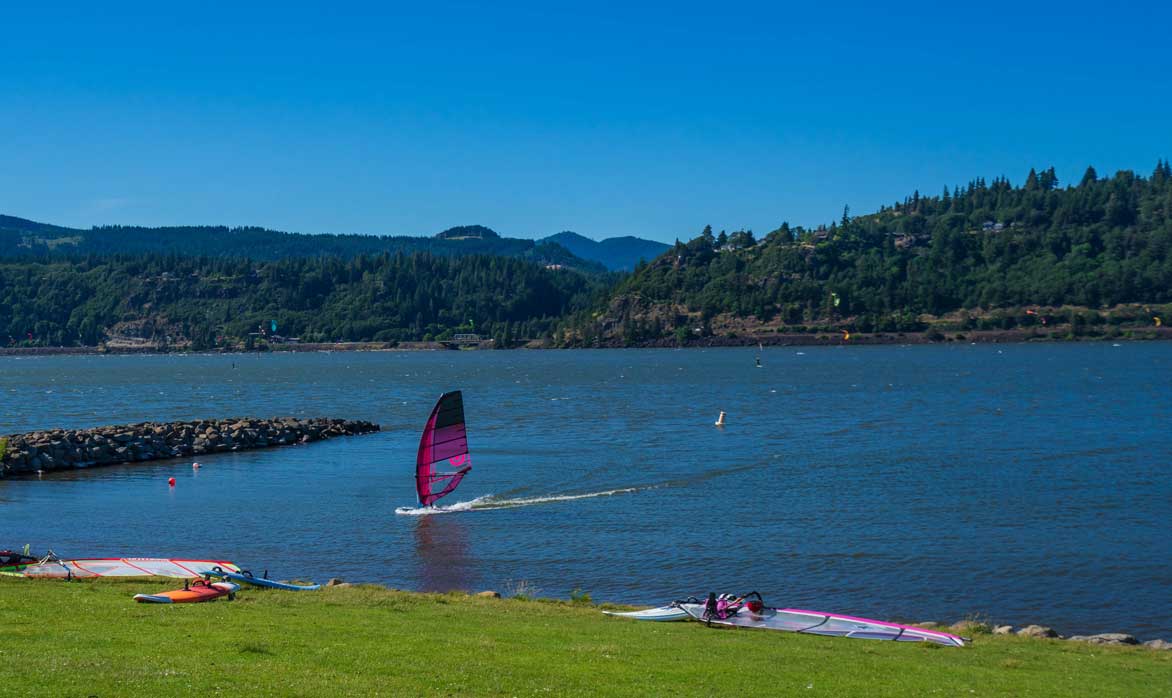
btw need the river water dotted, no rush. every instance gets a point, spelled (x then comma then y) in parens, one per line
(1025, 483)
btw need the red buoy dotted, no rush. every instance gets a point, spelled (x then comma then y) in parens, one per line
(171, 481)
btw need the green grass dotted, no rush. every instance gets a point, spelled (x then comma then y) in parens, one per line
(88, 638)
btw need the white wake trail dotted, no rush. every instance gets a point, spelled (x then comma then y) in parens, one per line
(489, 502)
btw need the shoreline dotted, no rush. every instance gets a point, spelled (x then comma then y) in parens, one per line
(776, 339)
(971, 627)
(513, 646)
(973, 624)
(748, 339)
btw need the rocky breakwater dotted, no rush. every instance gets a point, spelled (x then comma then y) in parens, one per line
(62, 449)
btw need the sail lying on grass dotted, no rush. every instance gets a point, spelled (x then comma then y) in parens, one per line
(124, 567)
(797, 620)
(443, 458)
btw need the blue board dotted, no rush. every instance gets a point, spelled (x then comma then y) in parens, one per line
(248, 578)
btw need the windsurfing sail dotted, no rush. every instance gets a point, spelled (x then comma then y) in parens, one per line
(443, 458)
(123, 567)
(796, 620)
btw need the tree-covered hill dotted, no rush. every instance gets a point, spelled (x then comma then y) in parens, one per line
(27, 239)
(985, 246)
(988, 255)
(204, 302)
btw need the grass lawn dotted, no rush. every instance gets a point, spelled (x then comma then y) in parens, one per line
(87, 638)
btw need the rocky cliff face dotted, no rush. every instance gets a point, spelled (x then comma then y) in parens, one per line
(60, 449)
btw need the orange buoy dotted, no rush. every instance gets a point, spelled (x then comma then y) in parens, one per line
(171, 481)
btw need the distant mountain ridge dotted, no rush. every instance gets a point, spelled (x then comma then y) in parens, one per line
(617, 254)
(22, 237)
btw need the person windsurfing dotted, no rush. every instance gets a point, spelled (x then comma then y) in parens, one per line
(443, 459)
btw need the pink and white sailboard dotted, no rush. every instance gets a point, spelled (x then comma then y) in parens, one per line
(125, 567)
(443, 459)
(797, 620)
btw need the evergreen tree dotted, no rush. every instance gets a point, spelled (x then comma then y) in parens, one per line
(1048, 180)
(1031, 183)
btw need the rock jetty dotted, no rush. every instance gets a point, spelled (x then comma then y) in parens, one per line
(62, 449)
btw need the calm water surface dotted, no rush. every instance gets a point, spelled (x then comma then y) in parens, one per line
(1026, 483)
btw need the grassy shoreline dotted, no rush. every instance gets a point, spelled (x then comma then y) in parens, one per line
(88, 638)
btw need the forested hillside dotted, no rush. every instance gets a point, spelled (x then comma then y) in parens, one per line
(985, 246)
(26, 239)
(202, 303)
(985, 256)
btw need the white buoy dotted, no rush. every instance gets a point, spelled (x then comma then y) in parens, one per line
(720, 419)
(195, 466)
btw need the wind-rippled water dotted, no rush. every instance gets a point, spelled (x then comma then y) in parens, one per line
(1028, 483)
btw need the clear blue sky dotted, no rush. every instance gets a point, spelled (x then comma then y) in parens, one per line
(652, 119)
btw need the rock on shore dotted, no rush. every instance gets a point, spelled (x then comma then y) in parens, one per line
(1105, 639)
(61, 449)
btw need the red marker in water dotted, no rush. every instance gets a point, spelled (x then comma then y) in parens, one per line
(171, 481)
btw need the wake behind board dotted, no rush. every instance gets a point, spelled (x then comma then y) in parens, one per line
(248, 578)
(124, 567)
(796, 620)
(196, 592)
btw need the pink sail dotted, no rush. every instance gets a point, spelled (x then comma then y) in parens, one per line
(797, 620)
(124, 567)
(443, 457)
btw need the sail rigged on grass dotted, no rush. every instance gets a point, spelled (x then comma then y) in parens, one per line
(443, 458)
(122, 567)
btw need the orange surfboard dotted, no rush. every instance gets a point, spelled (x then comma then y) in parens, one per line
(197, 591)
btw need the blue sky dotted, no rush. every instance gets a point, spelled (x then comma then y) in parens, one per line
(651, 119)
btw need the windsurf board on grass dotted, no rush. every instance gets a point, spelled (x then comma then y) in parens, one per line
(661, 614)
(442, 460)
(797, 620)
(125, 567)
(197, 591)
(249, 578)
